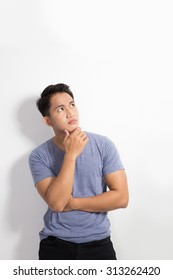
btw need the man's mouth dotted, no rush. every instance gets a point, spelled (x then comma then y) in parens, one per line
(72, 121)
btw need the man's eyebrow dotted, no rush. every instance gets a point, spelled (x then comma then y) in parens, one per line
(59, 106)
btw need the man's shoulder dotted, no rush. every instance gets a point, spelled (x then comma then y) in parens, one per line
(41, 149)
(101, 141)
(96, 136)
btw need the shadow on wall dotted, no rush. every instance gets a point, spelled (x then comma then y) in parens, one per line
(26, 208)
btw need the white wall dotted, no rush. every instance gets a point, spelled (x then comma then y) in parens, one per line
(117, 57)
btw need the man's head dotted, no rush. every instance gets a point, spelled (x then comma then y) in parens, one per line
(57, 106)
(44, 102)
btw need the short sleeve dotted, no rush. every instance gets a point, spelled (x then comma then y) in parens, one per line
(111, 158)
(39, 167)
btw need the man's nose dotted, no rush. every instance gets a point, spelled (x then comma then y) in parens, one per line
(69, 114)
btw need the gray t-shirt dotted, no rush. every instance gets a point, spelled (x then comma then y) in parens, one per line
(99, 157)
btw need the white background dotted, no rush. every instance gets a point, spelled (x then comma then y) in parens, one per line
(117, 57)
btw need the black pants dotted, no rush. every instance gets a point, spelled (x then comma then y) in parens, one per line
(52, 248)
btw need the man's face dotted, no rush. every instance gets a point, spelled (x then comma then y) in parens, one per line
(63, 113)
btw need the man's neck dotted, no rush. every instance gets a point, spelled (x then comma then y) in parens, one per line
(58, 140)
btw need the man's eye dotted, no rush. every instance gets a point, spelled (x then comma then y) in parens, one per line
(72, 104)
(60, 109)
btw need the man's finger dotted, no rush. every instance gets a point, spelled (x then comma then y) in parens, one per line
(66, 135)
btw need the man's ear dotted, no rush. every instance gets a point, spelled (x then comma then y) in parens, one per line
(47, 121)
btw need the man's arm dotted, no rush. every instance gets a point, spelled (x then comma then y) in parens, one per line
(116, 197)
(56, 191)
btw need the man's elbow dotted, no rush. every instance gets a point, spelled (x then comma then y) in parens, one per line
(124, 201)
(56, 207)
(53, 204)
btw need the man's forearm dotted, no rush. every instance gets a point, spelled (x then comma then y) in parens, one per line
(59, 192)
(104, 202)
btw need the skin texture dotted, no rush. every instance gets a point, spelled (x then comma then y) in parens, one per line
(56, 191)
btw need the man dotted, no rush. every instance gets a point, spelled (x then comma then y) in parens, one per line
(71, 172)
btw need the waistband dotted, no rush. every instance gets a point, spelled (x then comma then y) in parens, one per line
(99, 241)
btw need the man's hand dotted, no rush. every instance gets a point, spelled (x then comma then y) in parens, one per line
(75, 142)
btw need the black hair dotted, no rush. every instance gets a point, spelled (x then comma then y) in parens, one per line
(43, 103)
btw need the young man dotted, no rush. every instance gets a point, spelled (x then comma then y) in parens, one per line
(71, 172)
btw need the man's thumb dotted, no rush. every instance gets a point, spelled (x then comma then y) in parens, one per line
(66, 135)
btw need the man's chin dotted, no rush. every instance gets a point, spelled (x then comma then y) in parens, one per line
(71, 129)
